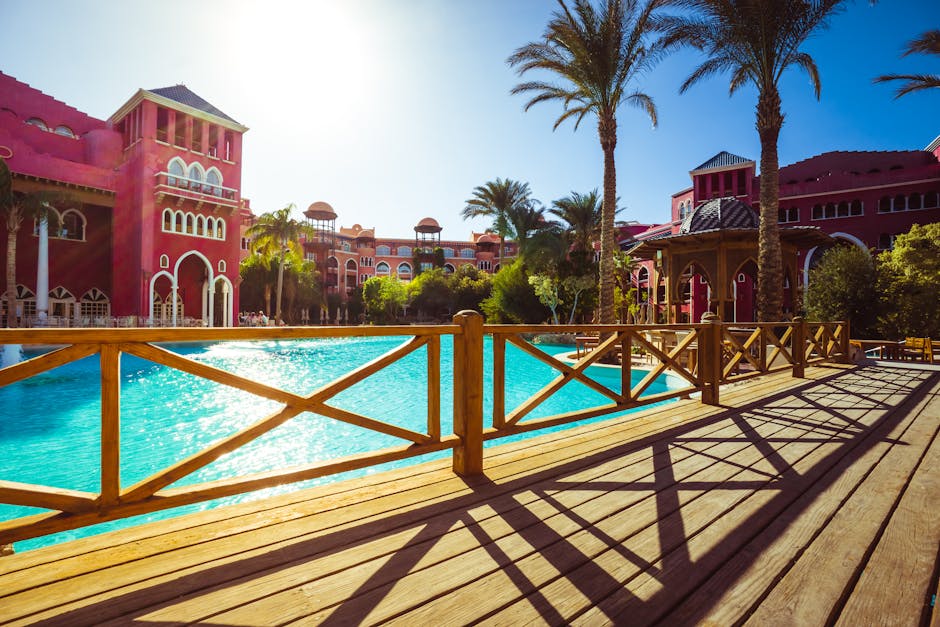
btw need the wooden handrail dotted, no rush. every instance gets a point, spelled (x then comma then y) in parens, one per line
(720, 356)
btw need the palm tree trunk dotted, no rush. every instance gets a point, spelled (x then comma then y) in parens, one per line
(280, 287)
(11, 277)
(769, 257)
(607, 130)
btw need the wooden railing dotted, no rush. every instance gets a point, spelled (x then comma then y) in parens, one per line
(704, 356)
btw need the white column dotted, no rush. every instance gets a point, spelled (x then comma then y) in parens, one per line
(42, 270)
(173, 294)
(210, 304)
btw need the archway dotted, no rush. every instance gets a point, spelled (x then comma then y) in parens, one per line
(223, 311)
(194, 284)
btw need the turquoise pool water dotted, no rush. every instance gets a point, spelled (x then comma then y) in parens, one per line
(50, 431)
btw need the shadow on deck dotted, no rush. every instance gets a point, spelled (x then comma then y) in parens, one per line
(798, 501)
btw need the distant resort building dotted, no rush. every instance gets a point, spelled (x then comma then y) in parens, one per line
(148, 228)
(348, 257)
(856, 197)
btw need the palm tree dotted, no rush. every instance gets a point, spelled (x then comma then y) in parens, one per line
(14, 210)
(597, 54)
(496, 200)
(582, 213)
(928, 43)
(527, 225)
(276, 234)
(756, 41)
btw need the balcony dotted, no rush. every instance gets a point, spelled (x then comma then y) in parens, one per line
(202, 193)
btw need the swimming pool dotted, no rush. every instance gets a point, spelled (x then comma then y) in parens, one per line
(51, 434)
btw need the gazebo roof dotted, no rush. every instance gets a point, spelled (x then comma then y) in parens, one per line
(720, 213)
(801, 237)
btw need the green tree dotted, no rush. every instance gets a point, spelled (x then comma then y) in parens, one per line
(577, 286)
(909, 284)
(582, 215)
(548, 290)
(842, 287)
(927, 43)
(757, 41)
(496, 200)
(513, 299)
(431, 293)
(597, 55)
(383, 297)
(274, 235)
(470, 287)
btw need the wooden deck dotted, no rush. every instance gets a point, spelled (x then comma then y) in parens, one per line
(798, 502)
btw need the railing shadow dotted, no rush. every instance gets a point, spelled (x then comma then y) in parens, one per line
(537, 510)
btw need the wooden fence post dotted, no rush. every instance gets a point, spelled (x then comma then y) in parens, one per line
(798, 347)
(709, 358)
(468, 393)
(845, 344)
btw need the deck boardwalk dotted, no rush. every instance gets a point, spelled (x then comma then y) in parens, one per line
(796, 502)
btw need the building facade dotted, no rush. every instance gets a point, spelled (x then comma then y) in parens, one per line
(146, 210)
(864, 198)
(347, 257)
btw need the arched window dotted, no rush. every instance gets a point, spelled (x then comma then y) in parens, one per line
(190, 224)
(210, 228)
(213, 182)
(448, 252)
(222, 265)
(196, 174)
(856, 208)
(900, 203)
(351, 265)
(200, 226)
(843, 209)
(73, 225)
(220, 229)
(164, 261)
(404, 268)
(382, 268)
(95, 304)
(643, 276)
(405, 251)
(53, 223)
(180, 224)
(449, 268)
(38, 123)
(64, 131)
(176, 170)
(914, 201)
(467, 253)
(884, 205)
(168, 221)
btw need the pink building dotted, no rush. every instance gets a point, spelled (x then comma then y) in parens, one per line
(864, 198)
(148, 228)
(348, 257)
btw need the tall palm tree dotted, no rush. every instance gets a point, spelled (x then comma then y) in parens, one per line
(597, 54)
(527, 224)
(496, 200)
(583, 214)
(928, 43)
(756, 41)
(276, 234)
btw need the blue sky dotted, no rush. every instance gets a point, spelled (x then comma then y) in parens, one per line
(393, 110)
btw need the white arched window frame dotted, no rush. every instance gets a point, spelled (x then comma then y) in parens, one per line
(180, 224)
(64, 131)
(200, 226)
(177, 171)
(169, 221)
(164, 261)
(38, 123)
(404, 268)
(222, 265)
(196, 173)
(404, 251)
(382, 268)
(210, 228)
(94, 304)
(72, 225)
(53, 222)
(383, 250)
(213, 182)
(220, 229)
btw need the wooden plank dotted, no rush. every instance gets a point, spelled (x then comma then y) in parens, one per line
(595, 591)
(737, 581)
(29, 495)
(554, 453)
(110, 425)
(434, 388)
(499, 381)
(42, 363)
(906, 552)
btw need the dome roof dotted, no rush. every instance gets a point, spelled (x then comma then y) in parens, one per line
(488, 238)
(428, 225)
(719, 213)
(320, 211)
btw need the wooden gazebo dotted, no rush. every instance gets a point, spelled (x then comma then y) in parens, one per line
(716, 240)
